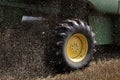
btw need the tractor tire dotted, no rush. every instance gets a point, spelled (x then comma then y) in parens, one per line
(70, 46)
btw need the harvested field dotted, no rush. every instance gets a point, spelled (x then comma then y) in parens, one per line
(22, 53)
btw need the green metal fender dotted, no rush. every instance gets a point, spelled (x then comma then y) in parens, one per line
(107, 6)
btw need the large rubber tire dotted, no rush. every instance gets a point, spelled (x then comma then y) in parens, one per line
(56, 53)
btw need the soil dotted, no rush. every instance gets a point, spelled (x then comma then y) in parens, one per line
(22, 49)
(22, 57)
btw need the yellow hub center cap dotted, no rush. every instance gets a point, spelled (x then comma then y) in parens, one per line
(77, 47)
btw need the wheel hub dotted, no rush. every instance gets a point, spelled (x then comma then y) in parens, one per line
(77, 47)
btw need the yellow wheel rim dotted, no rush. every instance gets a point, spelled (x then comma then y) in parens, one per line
(77, 47)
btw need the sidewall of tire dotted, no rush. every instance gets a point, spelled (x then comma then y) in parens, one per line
(82, 30)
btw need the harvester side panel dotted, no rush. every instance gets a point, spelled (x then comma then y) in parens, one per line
(102, 27)
(106, 6)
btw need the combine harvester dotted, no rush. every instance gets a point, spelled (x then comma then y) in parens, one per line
(77, 26)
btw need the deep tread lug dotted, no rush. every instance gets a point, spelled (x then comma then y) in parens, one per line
(59, 43)
(82, 23)
(95, 42)
(73, 22)
(93, 34)
(62, 34)
(89, 28)
(94, 50)
(66, 26)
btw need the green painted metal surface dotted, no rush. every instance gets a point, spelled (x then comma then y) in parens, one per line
(119, 7)
(102, 27)
(116, 34)
(106, 6)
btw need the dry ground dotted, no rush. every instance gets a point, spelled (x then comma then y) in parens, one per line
(107, 69)
(22, 50)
